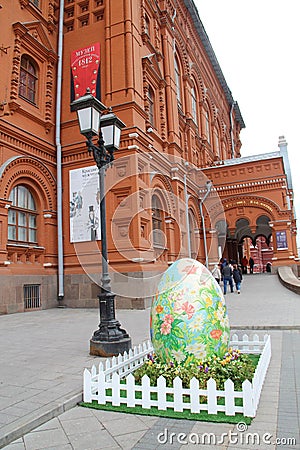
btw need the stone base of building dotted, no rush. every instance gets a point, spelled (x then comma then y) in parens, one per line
(21, 293)
(82, 292)
(133, 303)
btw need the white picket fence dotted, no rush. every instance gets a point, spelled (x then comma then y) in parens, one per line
(105, 386)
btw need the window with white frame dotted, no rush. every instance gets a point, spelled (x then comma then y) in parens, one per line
(207, 126)
(217, 140)
(177, 80)
(22, 216)
(147, 25)
(194, 105)
(150, 96)
(192, 230)
(157, 222)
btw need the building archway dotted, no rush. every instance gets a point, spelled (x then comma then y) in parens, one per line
(243, 226)
(254, 242)
(263, 228)
(257, 197)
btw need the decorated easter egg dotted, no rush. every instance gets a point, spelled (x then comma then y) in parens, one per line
(189, 320)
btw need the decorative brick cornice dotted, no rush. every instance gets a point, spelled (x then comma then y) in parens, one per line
(15, 141)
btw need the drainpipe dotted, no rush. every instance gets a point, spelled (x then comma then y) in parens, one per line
(202, 200)
(231, 129)
(60, 294)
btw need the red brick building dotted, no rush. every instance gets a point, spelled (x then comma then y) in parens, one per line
(158, 72)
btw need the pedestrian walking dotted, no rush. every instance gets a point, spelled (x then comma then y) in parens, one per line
(223, 262)
(251, 264)
(244, 264)
(216, 273)
(227, 277)
(237, 277)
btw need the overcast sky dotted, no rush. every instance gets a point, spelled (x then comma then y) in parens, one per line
(257, 45)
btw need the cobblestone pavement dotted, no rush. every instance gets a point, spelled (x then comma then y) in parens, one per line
(43, 354)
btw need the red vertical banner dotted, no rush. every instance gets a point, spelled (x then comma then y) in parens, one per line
(85, 71)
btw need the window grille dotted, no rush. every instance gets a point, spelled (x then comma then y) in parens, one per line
(32, 296)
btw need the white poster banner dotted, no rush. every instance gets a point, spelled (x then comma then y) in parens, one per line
(84, 204)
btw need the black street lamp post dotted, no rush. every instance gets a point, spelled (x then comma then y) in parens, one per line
(208, 187)
(110, 339)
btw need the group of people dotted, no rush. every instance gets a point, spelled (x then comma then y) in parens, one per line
(245, 263)
(229, 273)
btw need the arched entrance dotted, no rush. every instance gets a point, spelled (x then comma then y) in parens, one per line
(253, 229)
(255, 244)
(247, 231)
(257, 198)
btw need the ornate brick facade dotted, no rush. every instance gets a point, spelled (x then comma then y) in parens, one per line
(161, 77)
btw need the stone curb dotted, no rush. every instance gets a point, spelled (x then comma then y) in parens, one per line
(42, 415)
(289, 279)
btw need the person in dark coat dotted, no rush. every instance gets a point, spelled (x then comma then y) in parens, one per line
(227, 277)
(251, 264)
(223, 263)
(237, 276)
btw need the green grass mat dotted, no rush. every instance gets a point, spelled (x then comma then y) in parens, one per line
(202, 416)
(170, 413)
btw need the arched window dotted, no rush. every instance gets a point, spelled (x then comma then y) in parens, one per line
(22, 216)
(192, 228)
(157, 222)
(150, 96)
(177, 80)
(28, 79)
(194, 105)
(217, 141)
(207, 126)
(147, 25)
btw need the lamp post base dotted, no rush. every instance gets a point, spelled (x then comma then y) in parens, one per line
(110, 339)
(107, 349)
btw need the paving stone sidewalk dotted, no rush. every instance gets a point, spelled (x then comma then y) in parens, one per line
(43, 354)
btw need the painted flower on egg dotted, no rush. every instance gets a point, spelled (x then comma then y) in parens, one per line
(188, 316)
